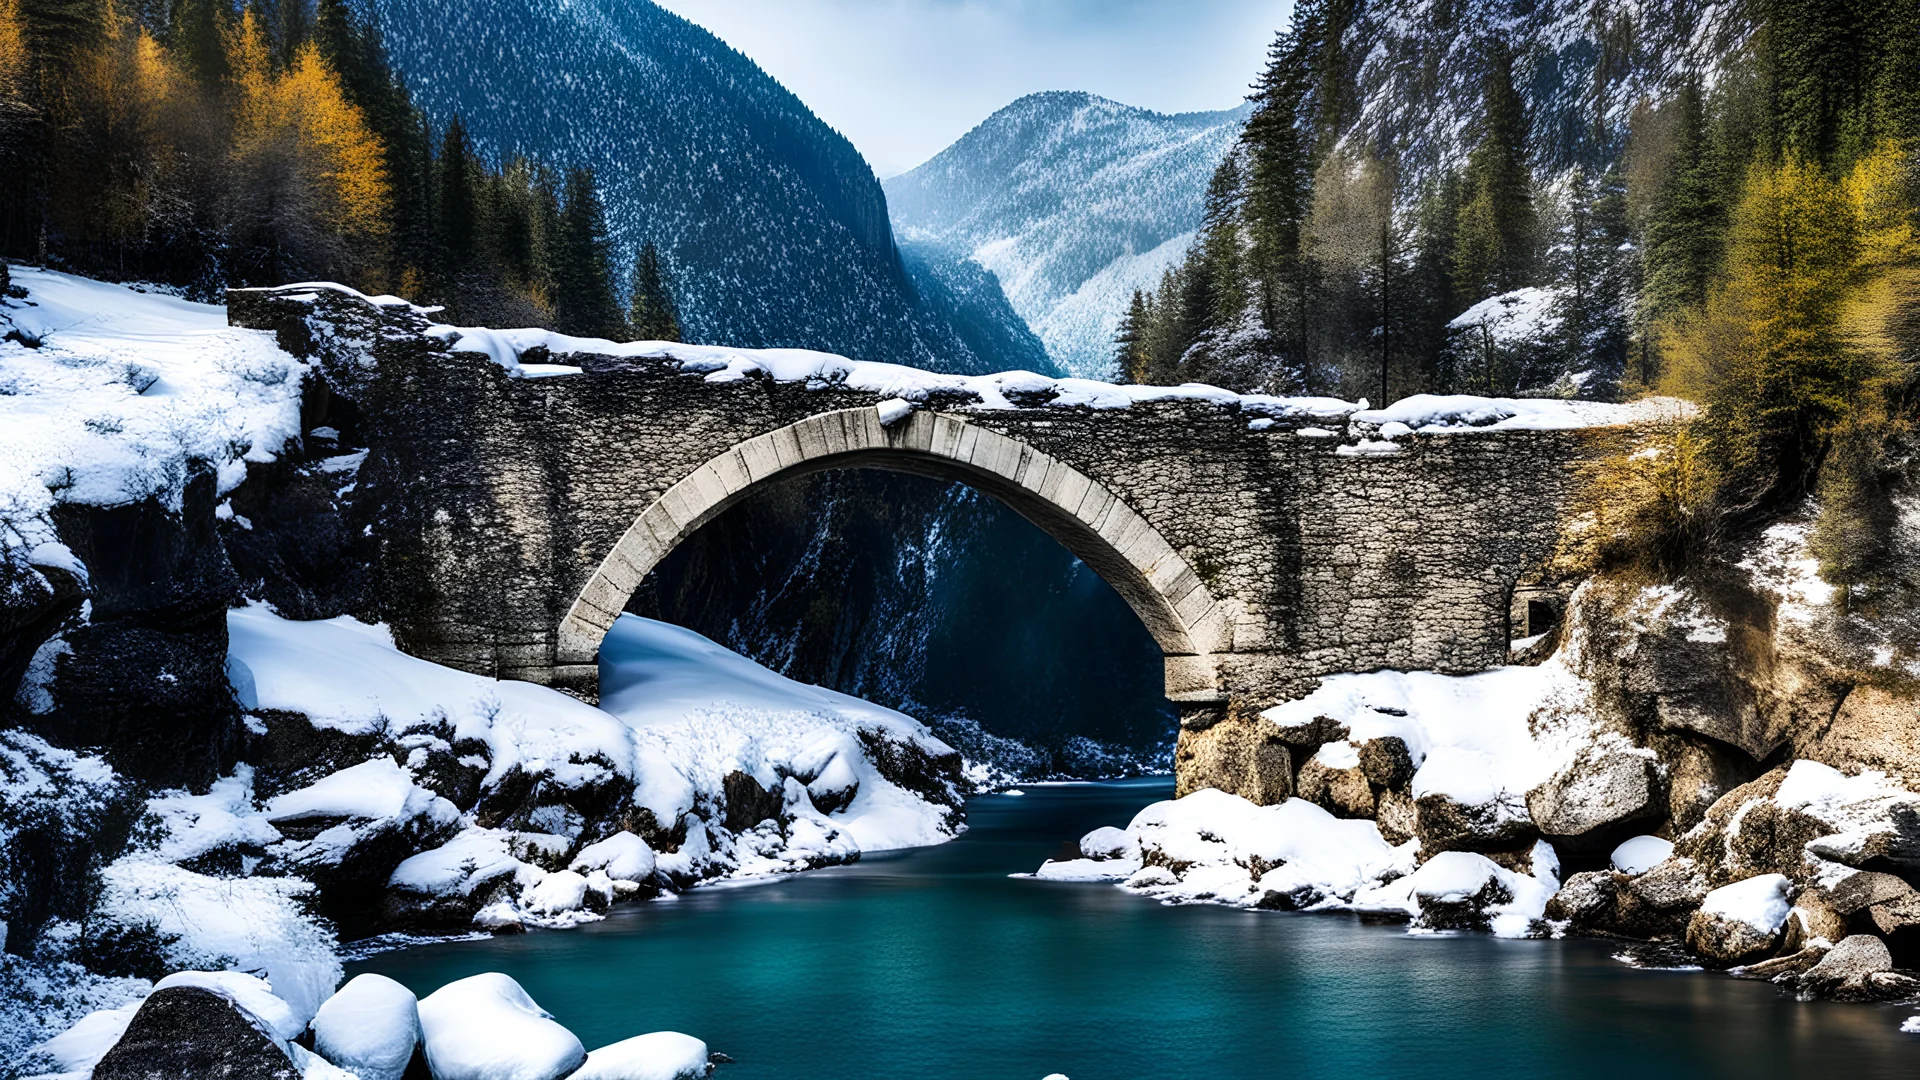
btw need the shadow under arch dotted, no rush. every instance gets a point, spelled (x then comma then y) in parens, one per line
(1178, 611)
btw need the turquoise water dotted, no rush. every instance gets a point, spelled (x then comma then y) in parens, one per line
(934, 965)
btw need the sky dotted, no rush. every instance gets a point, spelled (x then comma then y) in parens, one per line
(904, 78)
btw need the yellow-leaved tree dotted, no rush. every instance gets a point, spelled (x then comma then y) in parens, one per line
(117, 112)
(1857, 531)
(311, 186)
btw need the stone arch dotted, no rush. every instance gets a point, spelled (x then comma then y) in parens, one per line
(1094, 523)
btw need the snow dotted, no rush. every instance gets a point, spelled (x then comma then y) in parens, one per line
(78, 1049)
(893, 410)
(369, 1027)
(662, 1055)
(1469, 735)
(1107, 842)
(1440, 413)
(125, 388)
(622, 857)
(1641, 854)
(277, 1016)
(256, 925)
(1761, 902)
(698, 711)
(1456, 877)
(461, 865)
(372, 789)
(1215, 837)
(485, 1027)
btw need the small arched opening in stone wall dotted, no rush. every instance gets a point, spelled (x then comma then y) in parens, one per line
(1113, 541)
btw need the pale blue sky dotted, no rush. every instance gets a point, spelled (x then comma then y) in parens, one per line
(904, 78)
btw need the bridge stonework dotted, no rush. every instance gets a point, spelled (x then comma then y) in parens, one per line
(516, 516)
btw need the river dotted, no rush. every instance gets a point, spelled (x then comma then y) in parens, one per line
(933, 964)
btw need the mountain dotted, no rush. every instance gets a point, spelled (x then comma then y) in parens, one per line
(1072, 201)
(1412, 75)
(774, 228)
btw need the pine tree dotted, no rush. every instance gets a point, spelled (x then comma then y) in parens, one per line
(1494, 241)
(584, 303)
(1431, 300)
(457, 173)
(651, 312)
(1130, 341)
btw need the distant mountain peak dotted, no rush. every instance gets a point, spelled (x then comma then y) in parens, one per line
(1072, 200)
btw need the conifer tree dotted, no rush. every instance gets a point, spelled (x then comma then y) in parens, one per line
(651, 312)
(457, 174)
(584, 303)
(1130, 340)
(1494, 239)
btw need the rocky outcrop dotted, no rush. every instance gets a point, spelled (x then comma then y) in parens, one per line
(1609, 786)
(1241, 754)
(142, 675)
(190, 1033)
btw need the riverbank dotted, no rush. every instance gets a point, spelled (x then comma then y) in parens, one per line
(934, 963)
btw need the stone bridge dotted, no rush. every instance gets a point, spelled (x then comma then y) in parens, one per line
(518, 513)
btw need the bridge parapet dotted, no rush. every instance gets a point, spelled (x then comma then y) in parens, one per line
(1263, 544)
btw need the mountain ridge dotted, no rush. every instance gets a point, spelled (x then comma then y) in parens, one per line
(1054, 190)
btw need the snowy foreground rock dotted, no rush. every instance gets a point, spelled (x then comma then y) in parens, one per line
(226, 1024)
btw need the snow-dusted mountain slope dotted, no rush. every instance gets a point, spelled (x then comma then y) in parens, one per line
(774, 227)
(1417, 69)
(1073, 201)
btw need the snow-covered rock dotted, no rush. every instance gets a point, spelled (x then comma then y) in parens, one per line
(622, 857)
(194, 1030)
(662, 1055)
(1463, 890)
(1742, 920)
(369, 1027)
(1641, 854)
(485, 1027)
(1107, 842)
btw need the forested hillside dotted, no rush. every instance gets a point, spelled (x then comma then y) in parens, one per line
(1539, 198)
(1072, 201)
(202, 145)
(773, 227)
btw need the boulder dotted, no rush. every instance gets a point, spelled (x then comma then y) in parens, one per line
(1847, 970)
(1874, 728)
(1387, 762)
(1741, 921)
(485, 1027)
(1785, 968)
(1396, 816)
(1699, 771)
(1658, 903)
(347, 832)
(1457, 890)
(1746, 834)
(1445, 824)
(1333, 779)
(1858, 892)
(1641, 854)
(1609, 784)
(1307, 736)
(1813, 920)
(1586, 902)
(622, 857)
(192, 1033)
(1107, 842)
(663, 1055)
(370, 1027)
(1242, 755)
